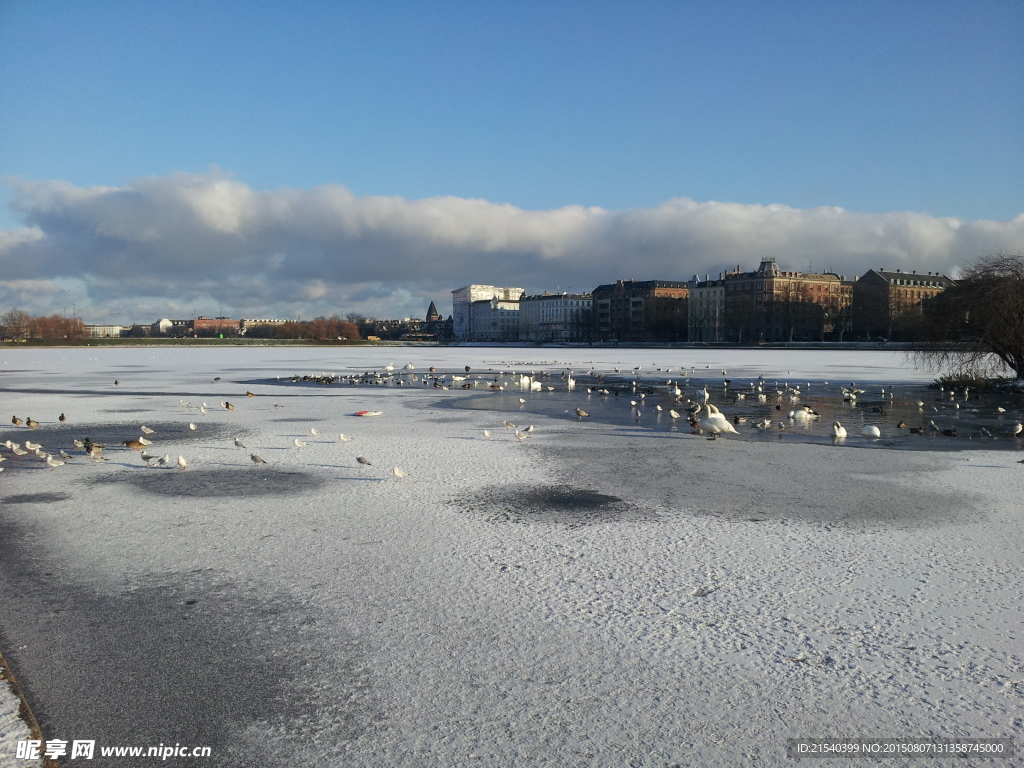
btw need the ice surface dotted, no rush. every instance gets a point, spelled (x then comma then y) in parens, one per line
(602, 592)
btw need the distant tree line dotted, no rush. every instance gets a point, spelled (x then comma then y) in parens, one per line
(320, 329)
(18, 324)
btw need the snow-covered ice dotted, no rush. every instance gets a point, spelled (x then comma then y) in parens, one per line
(604, 592)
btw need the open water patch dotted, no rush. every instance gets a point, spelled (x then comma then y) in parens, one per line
(247, 482)
(54, 437)
(549, 504)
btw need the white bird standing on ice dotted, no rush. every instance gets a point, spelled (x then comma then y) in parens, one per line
(182, 463)
(581, 413)
(487, 433)
(146, 430)
(299, 443)
(192, 427)
(838, 431)
(238, 443)
(342, 438)
(256, 460)
(399, 474)
(715, 422)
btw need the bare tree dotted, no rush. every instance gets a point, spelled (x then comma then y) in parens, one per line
(17, 323)
(976, 327)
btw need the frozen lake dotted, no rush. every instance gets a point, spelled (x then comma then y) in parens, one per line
(612, 590)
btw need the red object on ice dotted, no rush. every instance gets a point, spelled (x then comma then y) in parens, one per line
(368, 413)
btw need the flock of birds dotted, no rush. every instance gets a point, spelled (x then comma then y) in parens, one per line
(702, 416)
(141, 444)
(693, 405)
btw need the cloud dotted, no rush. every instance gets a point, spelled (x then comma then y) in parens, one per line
(209, 241)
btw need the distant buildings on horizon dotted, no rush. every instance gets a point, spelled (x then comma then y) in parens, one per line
(763, 305)
(760, 306)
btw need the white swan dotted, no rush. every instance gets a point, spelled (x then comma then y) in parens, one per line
(870, 430)
(838, 431)
(715, 422)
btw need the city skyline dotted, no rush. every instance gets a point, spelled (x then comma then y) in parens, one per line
(171, 160)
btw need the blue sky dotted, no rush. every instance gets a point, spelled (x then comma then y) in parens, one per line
(874, 107)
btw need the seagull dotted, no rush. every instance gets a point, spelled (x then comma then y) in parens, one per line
(363, 460)
(146, 430)
(192, 426)
(342, 438)
(53, 463)
(581, 413)
(487, 433)
(238, 443)
(509, 424)
(313, 431)
(256, 460)
(520, 436)
(1018, 429)
(278, 405)
(299, 443)
(399, 474)
(144, 441)
(162, 461)
(182, 463)
(97, 457)
(32, 446)
(148, 457)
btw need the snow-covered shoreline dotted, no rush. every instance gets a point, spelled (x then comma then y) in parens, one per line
(709, 600)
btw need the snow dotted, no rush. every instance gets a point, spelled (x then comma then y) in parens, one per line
(605, 592)
(12, 729)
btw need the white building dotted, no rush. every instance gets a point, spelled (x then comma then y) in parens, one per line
(494, 320)
(555, 317)
(462, 298)
(101, 331)
(706, 311)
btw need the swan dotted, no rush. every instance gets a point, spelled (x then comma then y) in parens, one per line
(838, 431)
(870, 430)
(715, 422)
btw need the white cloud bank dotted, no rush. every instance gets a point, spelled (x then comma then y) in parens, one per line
(166, 245)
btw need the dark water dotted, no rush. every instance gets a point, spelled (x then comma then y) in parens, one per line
(881, 405)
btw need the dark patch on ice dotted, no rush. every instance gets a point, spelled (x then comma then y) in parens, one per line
(56, 436)
(35, 498)
(559, 504)
(240, 482)
(193, 657)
